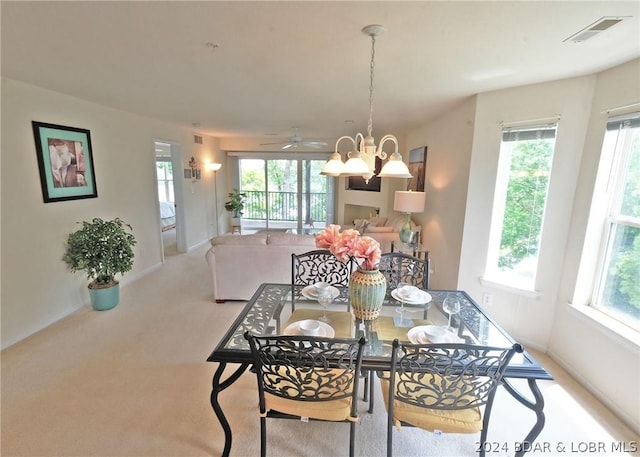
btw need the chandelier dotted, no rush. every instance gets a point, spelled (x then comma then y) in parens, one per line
(364, 148)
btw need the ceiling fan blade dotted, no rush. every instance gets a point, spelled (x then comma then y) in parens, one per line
(269, 144)
(314, 144)
(287, 146)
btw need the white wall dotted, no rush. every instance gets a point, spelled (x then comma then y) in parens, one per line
(37, 288)
(543, 320)
(449, 141)
(528, 317)
(606, 363)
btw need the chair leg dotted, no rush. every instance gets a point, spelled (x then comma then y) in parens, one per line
(371, 386)
(263, 437)
(485, 423)
(365, 391)
(352, 435)
(389, 436)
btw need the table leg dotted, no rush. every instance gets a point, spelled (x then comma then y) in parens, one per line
(537, 406)
(217, 387)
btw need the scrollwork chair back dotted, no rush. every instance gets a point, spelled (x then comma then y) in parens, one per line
(319, 266)
(301, 376)
(443, 387)
(400, 267)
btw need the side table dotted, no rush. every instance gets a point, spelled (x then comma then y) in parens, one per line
(416, 250)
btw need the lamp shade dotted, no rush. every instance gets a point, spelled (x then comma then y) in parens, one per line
(214, 166)
(395, 168)
(355, 166)
(334, 166)
(408, 201)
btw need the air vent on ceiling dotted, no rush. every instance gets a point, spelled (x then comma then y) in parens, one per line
(197, 139)
(592, 30)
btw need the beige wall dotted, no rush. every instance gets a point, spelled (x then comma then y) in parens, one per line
(448, 140)
(463, 148)
(608, 364)
(37, 289)
(529, 316)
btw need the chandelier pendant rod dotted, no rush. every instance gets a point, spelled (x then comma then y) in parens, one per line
(371, 68)
(365, 147)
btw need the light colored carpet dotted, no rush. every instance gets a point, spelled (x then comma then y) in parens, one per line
(133, 381)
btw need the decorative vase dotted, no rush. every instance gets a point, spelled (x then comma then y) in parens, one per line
(367, 289)
(105, 298)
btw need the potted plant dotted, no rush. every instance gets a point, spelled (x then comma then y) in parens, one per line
(235, 205)
(101, 249)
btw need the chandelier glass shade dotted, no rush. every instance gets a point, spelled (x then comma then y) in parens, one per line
(361, 157)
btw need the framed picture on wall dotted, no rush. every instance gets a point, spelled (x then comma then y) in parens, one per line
(358, 182)
(417, 167)
(65, 162)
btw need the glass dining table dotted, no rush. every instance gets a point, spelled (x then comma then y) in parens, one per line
(270, 311)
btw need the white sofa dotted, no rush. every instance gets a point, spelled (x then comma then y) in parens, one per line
(384, 230)
(240, 263)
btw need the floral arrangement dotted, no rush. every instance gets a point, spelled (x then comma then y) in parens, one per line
(349, 243)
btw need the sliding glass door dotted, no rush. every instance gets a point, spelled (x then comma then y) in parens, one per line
(285, 195)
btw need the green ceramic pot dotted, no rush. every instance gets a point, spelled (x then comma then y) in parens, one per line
(367, 289)
(105, 298)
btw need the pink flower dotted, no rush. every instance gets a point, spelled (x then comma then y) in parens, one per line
(328, 236)
(349, 244)
(368, 249)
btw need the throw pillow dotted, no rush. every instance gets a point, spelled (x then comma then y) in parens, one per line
(377, 221)
(385, 229)
(360, 225)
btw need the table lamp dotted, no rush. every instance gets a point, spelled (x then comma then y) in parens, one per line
(408, 202)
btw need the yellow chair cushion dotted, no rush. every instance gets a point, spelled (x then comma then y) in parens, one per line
(448, 421)
(329, 410)
(332, 410)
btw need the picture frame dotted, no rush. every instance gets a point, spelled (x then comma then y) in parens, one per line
(65, 162)
(417, 167)
(358, 182)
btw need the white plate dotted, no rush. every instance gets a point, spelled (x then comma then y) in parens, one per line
(311, 292)
(422, 297)
(424, 334)
(325, 330)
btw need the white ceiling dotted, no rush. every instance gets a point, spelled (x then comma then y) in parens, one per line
(306, 64)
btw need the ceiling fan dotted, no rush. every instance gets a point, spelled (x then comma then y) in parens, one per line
(297, 141)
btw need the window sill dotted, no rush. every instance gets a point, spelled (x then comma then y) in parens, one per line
(522, 291)
(606, 324)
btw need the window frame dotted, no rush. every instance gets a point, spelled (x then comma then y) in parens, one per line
(513, 132)
(168, 183)
(614, 164)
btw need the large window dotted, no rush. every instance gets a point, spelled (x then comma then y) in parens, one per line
(617, 290)
(524, 167)
(285, 194)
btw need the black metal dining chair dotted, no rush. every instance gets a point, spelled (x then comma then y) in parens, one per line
(443, 387)
(310, 377)
(400, 267)
(320, 266)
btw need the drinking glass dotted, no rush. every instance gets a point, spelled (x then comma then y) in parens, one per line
(324, 299)
(451, 306)
(402, 293)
